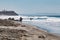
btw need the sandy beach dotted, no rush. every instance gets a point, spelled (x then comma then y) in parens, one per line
(13, 30)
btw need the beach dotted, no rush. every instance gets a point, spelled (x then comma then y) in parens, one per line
(13, 30)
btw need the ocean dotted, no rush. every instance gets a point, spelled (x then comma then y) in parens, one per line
(50, 24)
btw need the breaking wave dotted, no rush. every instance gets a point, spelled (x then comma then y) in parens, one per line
(50, 24)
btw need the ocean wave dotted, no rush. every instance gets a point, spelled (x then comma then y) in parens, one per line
(33, 18)
(50, 24)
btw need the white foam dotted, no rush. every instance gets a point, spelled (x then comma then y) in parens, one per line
(51, 24)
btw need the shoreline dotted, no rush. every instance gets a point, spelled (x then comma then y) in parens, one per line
(43, 28)
(40, 29)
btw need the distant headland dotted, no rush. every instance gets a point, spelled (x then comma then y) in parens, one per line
(4, 12)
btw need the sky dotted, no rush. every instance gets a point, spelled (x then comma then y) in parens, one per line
(31, 6)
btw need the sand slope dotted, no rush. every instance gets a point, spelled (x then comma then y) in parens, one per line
(24, 32)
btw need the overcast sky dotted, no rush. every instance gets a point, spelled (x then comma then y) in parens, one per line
(31, 6)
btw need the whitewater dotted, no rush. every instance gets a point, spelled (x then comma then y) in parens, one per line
(49, 24)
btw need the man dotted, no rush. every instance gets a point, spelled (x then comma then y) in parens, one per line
(21, 19)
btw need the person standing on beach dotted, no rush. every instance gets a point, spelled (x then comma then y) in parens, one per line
(21, 19)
